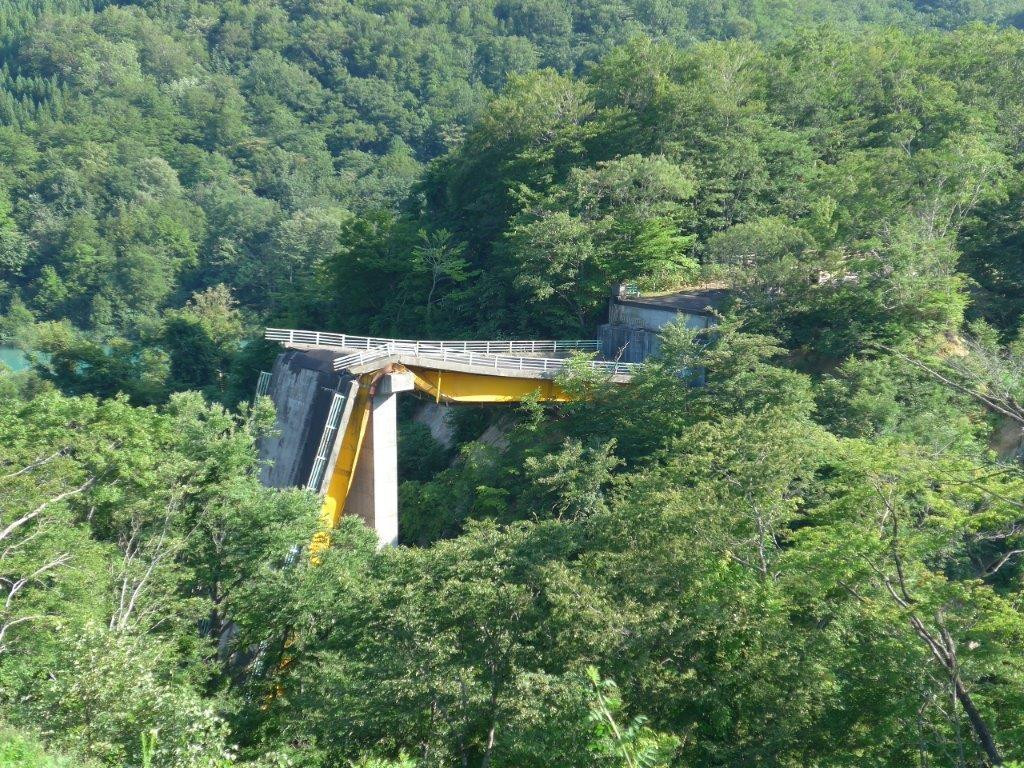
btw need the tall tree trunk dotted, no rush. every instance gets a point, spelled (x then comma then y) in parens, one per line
(944, 651)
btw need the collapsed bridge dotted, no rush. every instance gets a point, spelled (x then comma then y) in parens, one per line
(335, 396)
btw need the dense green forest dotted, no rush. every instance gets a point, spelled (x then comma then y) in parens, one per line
(809, 551)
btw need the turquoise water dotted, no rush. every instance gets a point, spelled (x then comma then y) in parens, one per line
(13, 358)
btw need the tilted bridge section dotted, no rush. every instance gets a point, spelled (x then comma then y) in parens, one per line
(338, 392)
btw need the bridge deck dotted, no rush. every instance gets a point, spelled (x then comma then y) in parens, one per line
(521, 359)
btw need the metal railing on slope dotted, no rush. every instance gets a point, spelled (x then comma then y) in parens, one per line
(263, 383)
(348, 341)
(316, 472)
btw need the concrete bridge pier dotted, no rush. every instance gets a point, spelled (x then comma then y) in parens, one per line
(374, 492)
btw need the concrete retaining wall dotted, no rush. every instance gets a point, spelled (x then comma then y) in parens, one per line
(632, 335)
(627, 345)
(302, 387)
(653, 318)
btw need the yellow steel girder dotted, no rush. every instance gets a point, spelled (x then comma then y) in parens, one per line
(443, 386)
(344, 467)
(459, 387)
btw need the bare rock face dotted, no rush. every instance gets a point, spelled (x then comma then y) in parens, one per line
(434, 416)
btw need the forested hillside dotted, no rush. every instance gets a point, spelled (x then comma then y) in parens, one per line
(793, 539)
(152, 151)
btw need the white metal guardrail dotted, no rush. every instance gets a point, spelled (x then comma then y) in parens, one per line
(509, 347)
(477, 360)
(462, 352)
(362, 358)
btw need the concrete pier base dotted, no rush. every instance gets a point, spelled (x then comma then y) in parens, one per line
(374, 493)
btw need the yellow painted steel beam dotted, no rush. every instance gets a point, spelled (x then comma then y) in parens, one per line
(344, 467)
(458, 387)
(443, 386)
